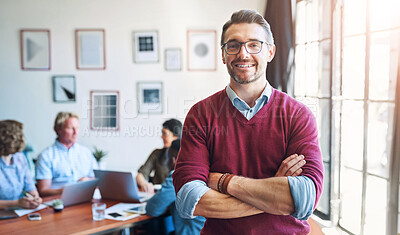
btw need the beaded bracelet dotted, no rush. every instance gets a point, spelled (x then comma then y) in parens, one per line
(221, 181)
(225, 183)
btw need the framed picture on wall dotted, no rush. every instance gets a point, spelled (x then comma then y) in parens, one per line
(201, 50)
(150, 97)
(173, 60)
(35, 49)
(104, 110)
(145, 49)
(64, 88)
(90, 49)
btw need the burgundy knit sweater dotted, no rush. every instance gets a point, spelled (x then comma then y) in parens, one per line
(217, 138)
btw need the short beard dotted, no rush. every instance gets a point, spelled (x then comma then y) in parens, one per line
(242, 82)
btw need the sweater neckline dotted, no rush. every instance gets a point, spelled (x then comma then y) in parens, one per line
(256, 118)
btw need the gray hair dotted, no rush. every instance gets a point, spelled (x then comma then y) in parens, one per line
(249, 17)
(61, 117)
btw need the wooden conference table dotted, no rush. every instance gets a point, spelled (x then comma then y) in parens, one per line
(76, 219)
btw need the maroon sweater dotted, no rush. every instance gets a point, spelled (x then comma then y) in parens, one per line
(217, 138)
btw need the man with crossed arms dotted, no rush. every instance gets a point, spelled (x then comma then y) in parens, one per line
(237, 178)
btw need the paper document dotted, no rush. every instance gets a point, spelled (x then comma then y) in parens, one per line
(120, 211)
(21, 212)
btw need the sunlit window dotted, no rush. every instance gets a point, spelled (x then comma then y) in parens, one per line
(312, 78)
(347, 62)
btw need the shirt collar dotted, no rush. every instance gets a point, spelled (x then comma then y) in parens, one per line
(3, 163)
(63, 147)
(233, 96)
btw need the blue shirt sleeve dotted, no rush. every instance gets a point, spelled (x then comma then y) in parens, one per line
(303, 193)
(43, 170)
(302, 189)
(188, 197)
(29, 185)
(159, 203)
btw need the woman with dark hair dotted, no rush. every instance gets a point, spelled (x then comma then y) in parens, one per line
(171, 131)
(165, 198)
(17, 188)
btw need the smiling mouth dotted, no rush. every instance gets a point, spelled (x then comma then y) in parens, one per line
(244, 65)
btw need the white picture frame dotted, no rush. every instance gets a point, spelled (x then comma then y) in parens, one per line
(90, 49)
(145, 49)
(64, 88)
(173, 59)
(35, 49)
(201, 50)
(104, 110)
(150, 97)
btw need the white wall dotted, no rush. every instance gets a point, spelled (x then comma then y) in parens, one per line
(26, 96)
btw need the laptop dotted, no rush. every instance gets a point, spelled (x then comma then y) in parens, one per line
(76, 193)
(120, 186)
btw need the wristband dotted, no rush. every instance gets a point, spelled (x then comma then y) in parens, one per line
(225, 183)
(221, 181)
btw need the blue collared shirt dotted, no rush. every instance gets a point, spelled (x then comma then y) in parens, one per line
(243, 107)
(15, 178)
(302, 188)
(63, 165)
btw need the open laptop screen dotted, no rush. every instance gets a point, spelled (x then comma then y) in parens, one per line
(119, 186)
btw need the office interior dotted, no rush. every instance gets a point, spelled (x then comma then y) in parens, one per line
(339, 57)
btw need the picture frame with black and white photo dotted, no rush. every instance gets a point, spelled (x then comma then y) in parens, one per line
(150, 97)
(64, 88)
(145, 49)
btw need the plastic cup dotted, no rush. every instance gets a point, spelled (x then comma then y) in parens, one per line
(98, 211)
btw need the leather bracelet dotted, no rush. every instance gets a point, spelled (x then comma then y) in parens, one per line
(227, 179)
(221, 181)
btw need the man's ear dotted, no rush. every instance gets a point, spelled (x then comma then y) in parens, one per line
(223, 56)
(271, 52)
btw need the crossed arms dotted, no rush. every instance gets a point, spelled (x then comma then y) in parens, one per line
(246, 195)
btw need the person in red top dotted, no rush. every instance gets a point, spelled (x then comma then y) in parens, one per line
(235, 142)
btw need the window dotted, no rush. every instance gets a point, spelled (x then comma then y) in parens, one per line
(347, 63)
(104, 110)
(313, 78)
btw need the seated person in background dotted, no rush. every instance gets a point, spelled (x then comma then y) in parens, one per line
(65, 161)
(157, 160)
(165, 198)
(14, 171)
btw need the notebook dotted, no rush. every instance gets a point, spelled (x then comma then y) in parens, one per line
(77, 193)
(120, 186)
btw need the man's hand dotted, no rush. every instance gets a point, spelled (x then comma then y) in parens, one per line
(85, 178)
(291, 166)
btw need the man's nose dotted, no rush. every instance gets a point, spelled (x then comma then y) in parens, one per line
(243, 51)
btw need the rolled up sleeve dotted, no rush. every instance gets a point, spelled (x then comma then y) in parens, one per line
(188, 197)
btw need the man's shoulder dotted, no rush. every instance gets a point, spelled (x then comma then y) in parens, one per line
(214, 100)
(283, 100)
(48, 151)
(217, 96)
(81, 149)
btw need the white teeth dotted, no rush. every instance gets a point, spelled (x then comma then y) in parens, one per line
(244, 65)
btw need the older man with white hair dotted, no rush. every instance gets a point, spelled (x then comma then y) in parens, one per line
(65, 161)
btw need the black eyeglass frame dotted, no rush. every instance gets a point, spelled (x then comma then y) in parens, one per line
(245, 47)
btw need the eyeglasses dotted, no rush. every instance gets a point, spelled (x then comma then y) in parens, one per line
(252, 47)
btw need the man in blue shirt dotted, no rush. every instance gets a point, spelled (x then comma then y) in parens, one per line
(65, 161)
(165, 198)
